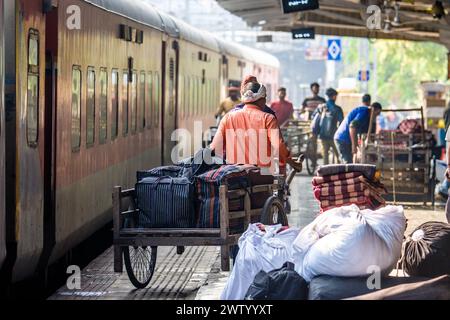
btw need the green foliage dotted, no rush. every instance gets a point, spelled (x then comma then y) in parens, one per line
(401, 66)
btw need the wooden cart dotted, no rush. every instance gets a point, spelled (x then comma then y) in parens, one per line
(406, 162)
(137, 247)
(301, 141)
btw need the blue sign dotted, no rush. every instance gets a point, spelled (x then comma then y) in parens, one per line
(334, 50)
(364, 75)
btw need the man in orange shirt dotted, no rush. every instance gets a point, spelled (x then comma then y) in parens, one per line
(251, 136)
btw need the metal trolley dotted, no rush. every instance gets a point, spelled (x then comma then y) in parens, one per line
(406, 162)
(301, 141)
(137, 248)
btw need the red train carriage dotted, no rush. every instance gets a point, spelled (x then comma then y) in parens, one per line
(98, 87)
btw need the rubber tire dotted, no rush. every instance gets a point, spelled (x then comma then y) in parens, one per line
(131, 274)
(267, 216)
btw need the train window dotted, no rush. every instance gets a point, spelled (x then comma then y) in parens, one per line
(90, 107)
(76, 108)
(134, 82)
(142, 95)
(181, 107)
(125, 103)
(103, 105)
(171, 87)
(115, 104)
(186, 97)
(33, 89)
(150, 102)
(194, 94)
(191, 96)
(157, 100)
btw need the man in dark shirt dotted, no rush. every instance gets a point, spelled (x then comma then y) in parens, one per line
(310, 104)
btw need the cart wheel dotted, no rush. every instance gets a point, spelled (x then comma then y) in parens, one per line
(311, 158)
(273, 212)
(140, 264)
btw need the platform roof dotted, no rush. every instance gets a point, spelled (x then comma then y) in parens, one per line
(347, 18)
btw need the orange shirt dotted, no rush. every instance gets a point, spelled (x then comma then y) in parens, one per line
(250, 136)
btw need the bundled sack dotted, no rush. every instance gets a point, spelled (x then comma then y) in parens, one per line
(347, 241)
(165, 202)
(434, 289)
(258, 251)
(281, 284)
(338, 288)
(426, 251)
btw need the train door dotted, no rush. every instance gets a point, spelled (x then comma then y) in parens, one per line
(2, 139)
(170, 59)
(25, 136)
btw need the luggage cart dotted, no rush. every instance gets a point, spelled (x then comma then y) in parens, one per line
(137, 247)
(301, 141)
(408, 169)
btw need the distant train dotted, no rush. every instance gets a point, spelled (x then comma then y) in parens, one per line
(93, 91)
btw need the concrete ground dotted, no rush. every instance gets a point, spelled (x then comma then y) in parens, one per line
(196, 274)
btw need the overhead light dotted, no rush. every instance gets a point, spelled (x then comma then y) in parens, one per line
(438, 10)
(262, 22)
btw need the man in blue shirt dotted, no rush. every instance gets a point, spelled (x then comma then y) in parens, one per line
(357, 122)
(331, 115)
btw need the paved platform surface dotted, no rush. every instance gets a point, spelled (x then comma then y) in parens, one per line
(196, 274)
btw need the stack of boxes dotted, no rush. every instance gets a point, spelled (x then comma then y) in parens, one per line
(434, 97)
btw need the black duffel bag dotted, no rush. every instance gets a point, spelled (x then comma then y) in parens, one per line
(281, 284)
(426, 252)
(166, 171)
(165, 202)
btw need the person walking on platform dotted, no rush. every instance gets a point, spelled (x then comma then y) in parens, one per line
(330, 116)
(252, 136)
(283, 108)
(447, 173)
(356, 122)
(229, 103)
(311, 104)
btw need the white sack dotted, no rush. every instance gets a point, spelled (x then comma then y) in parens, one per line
(346, 241)
(258, 251)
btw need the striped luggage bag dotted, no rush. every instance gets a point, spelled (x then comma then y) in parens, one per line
(165, 202)
(207, 192)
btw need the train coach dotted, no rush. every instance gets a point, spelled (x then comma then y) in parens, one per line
(94, 91)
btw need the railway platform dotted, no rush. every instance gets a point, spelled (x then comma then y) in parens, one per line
(196, 274)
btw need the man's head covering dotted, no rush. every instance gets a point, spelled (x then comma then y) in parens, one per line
(231, 89)
(246, 81)
(249, 95)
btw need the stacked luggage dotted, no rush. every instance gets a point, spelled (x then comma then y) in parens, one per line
(187, 195)
(343, 185)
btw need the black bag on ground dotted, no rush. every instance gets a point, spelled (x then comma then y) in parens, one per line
(427, 251)
(282, 284)
(165, 202)
(338, 288)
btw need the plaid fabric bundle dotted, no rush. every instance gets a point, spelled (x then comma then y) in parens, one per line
(342, 187)
(317, 181)
(366, 169)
